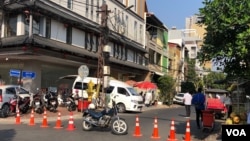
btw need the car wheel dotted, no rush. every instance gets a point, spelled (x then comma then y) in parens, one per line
(121, 108)
(5, 111)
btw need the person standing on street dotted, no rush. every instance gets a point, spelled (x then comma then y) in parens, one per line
(148, 98)
(198, 101)
(187, 102)
(228, 103)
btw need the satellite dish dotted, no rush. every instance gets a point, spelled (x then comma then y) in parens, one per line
(83, 71)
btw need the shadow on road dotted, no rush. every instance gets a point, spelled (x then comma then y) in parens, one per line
(7, 134)
(200, 134)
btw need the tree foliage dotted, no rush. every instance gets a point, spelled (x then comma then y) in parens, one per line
(191, 74)
(166, 84)
(187, 87)
(215, 80)
(226, 41)
(192, 77)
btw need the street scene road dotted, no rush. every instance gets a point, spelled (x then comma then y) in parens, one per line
(9, 131)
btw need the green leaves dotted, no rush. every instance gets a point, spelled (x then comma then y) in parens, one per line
(228, 34)
(166, 84)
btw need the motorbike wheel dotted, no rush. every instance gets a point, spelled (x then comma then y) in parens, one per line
(5, 111)
(25, 109)
(39, 110)
(86, 126)
(119, 127)
(71, 107)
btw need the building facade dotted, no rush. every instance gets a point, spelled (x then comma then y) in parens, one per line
(157, 47)
(197, 31)
(42, 40)
(176, 40)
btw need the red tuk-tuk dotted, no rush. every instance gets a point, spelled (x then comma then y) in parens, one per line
(215, 104)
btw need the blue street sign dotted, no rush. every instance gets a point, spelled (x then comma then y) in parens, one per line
(28, 74)
(15, 73)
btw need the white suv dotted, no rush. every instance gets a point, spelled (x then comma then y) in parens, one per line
(7, 92)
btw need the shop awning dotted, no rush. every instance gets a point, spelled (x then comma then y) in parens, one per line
(159, 73)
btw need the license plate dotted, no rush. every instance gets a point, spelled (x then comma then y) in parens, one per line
(37, 103)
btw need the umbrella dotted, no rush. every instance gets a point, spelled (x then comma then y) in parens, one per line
(145, 85)
(131, 82)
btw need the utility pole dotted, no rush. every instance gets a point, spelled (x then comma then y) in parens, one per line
(1, 23)
(103, 70)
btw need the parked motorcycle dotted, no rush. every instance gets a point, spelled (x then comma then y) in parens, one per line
(107, 118)
(50, 101)
(71, 102)
(38, 103)
(23, 104)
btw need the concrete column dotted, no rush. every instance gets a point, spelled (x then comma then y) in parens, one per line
(32, 84)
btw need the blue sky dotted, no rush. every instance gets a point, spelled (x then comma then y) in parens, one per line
(173, 12)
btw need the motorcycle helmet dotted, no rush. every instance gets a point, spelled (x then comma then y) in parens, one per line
(91, 106)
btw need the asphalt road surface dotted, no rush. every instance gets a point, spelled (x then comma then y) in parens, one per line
(9, 131)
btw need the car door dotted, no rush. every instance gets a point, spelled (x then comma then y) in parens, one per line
(123, 96)
(10, 92)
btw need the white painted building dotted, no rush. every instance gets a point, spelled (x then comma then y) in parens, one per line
(53, 38)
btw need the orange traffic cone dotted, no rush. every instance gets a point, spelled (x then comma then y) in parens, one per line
(45, 122)
(32, 119)
(171, 137)
(58, 122)
(18, 119)
(187, 135)
(137, 131)
(71, 125)
(155, 134)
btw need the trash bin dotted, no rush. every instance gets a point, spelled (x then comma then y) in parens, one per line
(208, 119)
(82, 105)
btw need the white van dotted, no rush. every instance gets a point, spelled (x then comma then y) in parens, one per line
(126, 97)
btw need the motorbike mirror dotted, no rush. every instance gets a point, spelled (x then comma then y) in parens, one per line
(247, 96)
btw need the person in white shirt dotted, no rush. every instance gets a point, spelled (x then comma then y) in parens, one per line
(187, 102)
(148, 98)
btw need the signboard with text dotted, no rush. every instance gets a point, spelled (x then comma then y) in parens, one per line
(15, 73)
(28, 74)
(25, 74)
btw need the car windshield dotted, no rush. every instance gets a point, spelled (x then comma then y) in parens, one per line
(23, 91)
(81, 86)
(180, 95)
(132, 91)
